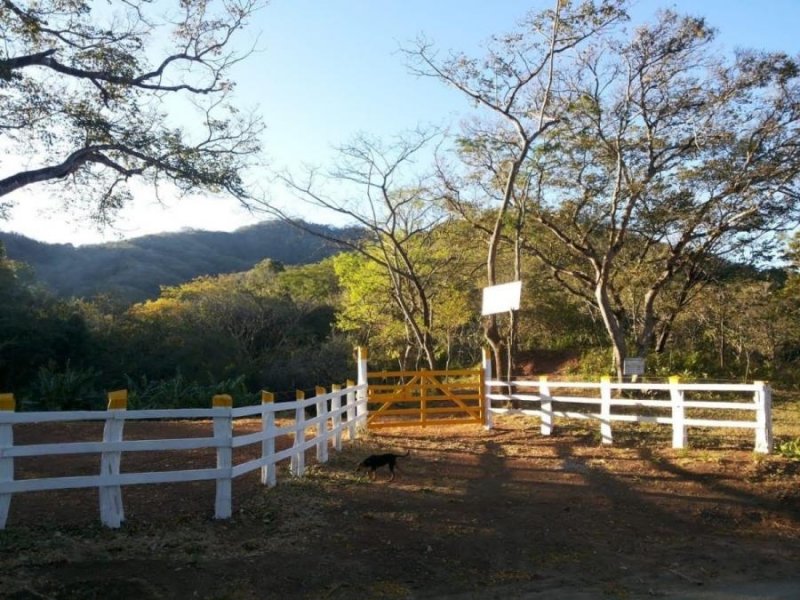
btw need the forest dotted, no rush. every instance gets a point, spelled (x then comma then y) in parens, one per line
(285, 327)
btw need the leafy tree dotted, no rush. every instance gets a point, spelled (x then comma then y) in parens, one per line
(82, 91)
(399, 214)
(219, 328)
(666, 158)
(367, 311)
(35, 329)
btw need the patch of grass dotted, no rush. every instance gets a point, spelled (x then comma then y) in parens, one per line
(790, 449)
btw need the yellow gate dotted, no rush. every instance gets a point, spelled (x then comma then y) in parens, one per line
(414, 398)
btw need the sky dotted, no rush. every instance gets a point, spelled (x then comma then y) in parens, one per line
(327, 70)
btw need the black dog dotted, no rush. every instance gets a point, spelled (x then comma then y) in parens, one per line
(378, 460)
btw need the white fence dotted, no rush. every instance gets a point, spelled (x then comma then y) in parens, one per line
(336, 412)
(672, 400)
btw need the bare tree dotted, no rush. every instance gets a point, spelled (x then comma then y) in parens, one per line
(376, 191)
(515, 84)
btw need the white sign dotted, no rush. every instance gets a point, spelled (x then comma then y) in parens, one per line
(633, 366)
(501, 298)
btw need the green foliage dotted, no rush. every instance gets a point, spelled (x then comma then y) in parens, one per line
(790, 449)
(67, 389)
(177, 392)
(89, 84)
(593, 363)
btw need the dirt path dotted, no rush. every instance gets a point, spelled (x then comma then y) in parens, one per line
(473, 514)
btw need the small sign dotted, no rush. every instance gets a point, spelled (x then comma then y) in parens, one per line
(633, 366)
(501, 298)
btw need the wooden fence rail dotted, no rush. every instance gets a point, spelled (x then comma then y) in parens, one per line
(539, 399)
(342, 409)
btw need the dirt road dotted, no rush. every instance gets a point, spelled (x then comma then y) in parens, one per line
(473, 514)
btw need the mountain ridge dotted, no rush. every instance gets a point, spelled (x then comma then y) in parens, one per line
(135, 269)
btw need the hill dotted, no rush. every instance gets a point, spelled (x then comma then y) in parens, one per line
(133, 270)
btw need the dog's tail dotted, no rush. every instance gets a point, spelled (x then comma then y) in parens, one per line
(408, 453)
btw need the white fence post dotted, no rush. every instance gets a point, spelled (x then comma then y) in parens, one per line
(336, 408)
(223, 431)
(7, 403)
(112, 512)
(605, 410)
(322, 426)
(546, 405)
(351, 411)
(763, 401)
(298, 462)
(363, 392)
(678, 413)
(486, 372)
(268, 476)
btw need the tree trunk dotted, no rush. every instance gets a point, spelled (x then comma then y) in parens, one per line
(613, 328)
(495, 340)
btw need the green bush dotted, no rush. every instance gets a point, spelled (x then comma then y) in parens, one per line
(70, 389)
(790, 449)
(178, 392)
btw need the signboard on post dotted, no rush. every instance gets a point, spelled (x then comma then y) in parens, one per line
(633, 366)
(501, 298)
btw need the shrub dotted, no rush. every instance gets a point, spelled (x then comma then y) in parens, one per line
(70, 389)
(790, 449)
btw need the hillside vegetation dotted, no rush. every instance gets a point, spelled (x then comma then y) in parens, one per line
(135, 269)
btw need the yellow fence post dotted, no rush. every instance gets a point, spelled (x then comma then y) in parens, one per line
(223, 431)
(268, 476)
(7, 404)
(423, 397)
(112, 512)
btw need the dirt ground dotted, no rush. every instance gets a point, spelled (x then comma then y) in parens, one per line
(505, 513)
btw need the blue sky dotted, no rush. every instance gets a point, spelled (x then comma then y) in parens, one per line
(328, 69)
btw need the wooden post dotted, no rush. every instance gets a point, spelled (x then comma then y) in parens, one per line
(423, 397)
(351, 411)
(7, 403)
(336, 409)
(322, 425)
(112, 512)
(763, 401)
(678, 413)
(605, 410)
(268, 476)
(362, 395)
(298, 462)
(223, 432)
(486, 389)
(546, 406)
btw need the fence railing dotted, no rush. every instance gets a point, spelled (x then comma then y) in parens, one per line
(671, 403)
(337, 412)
